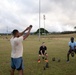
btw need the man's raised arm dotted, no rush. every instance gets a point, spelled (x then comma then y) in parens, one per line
(27, 34)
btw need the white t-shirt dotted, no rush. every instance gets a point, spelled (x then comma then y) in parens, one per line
(17, 47)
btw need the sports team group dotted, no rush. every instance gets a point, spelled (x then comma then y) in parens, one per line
(17, 50)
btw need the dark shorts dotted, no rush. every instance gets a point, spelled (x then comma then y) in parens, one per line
(70, 51)
(17, 63)
(42, 52)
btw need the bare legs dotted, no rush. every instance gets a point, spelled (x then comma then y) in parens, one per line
(19, 71)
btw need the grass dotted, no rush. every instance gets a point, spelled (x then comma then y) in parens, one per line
(57, 47)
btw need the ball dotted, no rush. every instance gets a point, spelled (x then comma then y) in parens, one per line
(53, 59)
(59, 60)
(72, 54)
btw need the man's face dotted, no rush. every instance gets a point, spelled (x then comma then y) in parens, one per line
(17, 34)
(72, 40)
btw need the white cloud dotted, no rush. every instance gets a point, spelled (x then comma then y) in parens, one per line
(60, 14)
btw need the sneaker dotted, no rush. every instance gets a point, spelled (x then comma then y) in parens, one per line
(38, 60)
(46, 60)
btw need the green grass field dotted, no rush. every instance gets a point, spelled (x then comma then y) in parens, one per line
(57, 47)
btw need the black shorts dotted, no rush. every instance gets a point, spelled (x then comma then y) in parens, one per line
(70, 51)
(42, 53)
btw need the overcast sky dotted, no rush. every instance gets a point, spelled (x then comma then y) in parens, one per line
(18, 14)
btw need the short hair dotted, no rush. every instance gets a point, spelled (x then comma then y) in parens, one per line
(14, 32)
(72, 38)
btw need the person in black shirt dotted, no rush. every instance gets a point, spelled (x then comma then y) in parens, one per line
(43, 52)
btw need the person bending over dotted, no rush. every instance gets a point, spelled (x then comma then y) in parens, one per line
(43, 52)
(72, 48)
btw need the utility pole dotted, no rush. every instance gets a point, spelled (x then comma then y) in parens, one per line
(44, 24)
(7, 30)
(39, 17)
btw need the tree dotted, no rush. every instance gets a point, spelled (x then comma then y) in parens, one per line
(75, 27)
(41, 31)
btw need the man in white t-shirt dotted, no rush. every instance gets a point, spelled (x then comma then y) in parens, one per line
(17, 50)
(72, 46)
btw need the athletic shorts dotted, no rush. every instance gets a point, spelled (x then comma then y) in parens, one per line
(70, 51)
(42, 53)
(17, 63)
